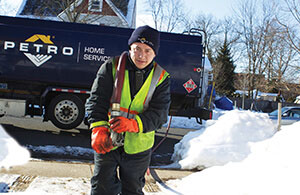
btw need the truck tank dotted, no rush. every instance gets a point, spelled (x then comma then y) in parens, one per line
(40, 60)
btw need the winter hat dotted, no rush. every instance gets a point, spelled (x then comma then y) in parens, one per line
(147, 35)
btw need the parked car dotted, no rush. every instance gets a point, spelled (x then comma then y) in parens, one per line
(297, 100)
(289, 115)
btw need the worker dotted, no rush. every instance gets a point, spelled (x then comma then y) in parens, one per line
(121, 169)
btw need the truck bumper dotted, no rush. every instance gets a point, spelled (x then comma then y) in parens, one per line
(197, 112)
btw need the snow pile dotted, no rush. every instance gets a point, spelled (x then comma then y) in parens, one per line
(271, 168)
(227, 139)
(11, 153)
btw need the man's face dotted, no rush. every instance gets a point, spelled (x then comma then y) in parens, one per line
(141, 54)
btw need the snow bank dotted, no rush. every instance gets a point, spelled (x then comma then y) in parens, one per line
(271, 168)
(225, 140)
(11, 153)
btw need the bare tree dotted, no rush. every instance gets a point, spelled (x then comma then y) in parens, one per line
(270, 57)
(71, 8)
(291, 27)
(48, 8)
(168, 15)
(280, 55)
(253, 27)
(211, 28)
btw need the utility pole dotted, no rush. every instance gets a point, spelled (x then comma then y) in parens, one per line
(279, 116)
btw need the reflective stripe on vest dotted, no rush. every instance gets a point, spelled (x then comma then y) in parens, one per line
(139, 142)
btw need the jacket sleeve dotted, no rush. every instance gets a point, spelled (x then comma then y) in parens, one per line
(157, 113)
(98, 103)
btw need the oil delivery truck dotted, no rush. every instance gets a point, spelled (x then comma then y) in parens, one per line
(47, 68)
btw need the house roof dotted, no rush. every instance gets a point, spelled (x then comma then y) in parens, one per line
(121, 5)
(127, 13)
(124, 9)
(127, 7)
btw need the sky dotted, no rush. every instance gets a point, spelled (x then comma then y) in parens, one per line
(217, 8)
(242, 153)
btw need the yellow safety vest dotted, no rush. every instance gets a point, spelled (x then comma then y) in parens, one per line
(130, 108)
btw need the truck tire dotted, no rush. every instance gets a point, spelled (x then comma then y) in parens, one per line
(66, 111)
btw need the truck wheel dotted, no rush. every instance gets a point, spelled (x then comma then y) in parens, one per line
(66, 111)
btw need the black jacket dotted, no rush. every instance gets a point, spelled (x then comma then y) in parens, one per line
(98, 103)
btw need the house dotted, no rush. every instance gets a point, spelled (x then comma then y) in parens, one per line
(120, 13)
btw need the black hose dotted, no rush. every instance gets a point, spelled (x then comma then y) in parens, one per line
(166, 134)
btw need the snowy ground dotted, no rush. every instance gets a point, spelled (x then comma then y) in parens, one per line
(241, 151)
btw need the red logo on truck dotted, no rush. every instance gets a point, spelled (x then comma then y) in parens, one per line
(190, 85)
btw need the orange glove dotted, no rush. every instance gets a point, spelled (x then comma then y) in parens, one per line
(101, 141)
(121, 124)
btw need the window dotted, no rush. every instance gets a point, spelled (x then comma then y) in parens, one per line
(95, 5)
(296, 113)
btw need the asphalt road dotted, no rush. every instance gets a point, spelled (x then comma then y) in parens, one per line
(33, 132)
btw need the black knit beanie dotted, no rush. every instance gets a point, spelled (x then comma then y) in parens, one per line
(147, 35)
